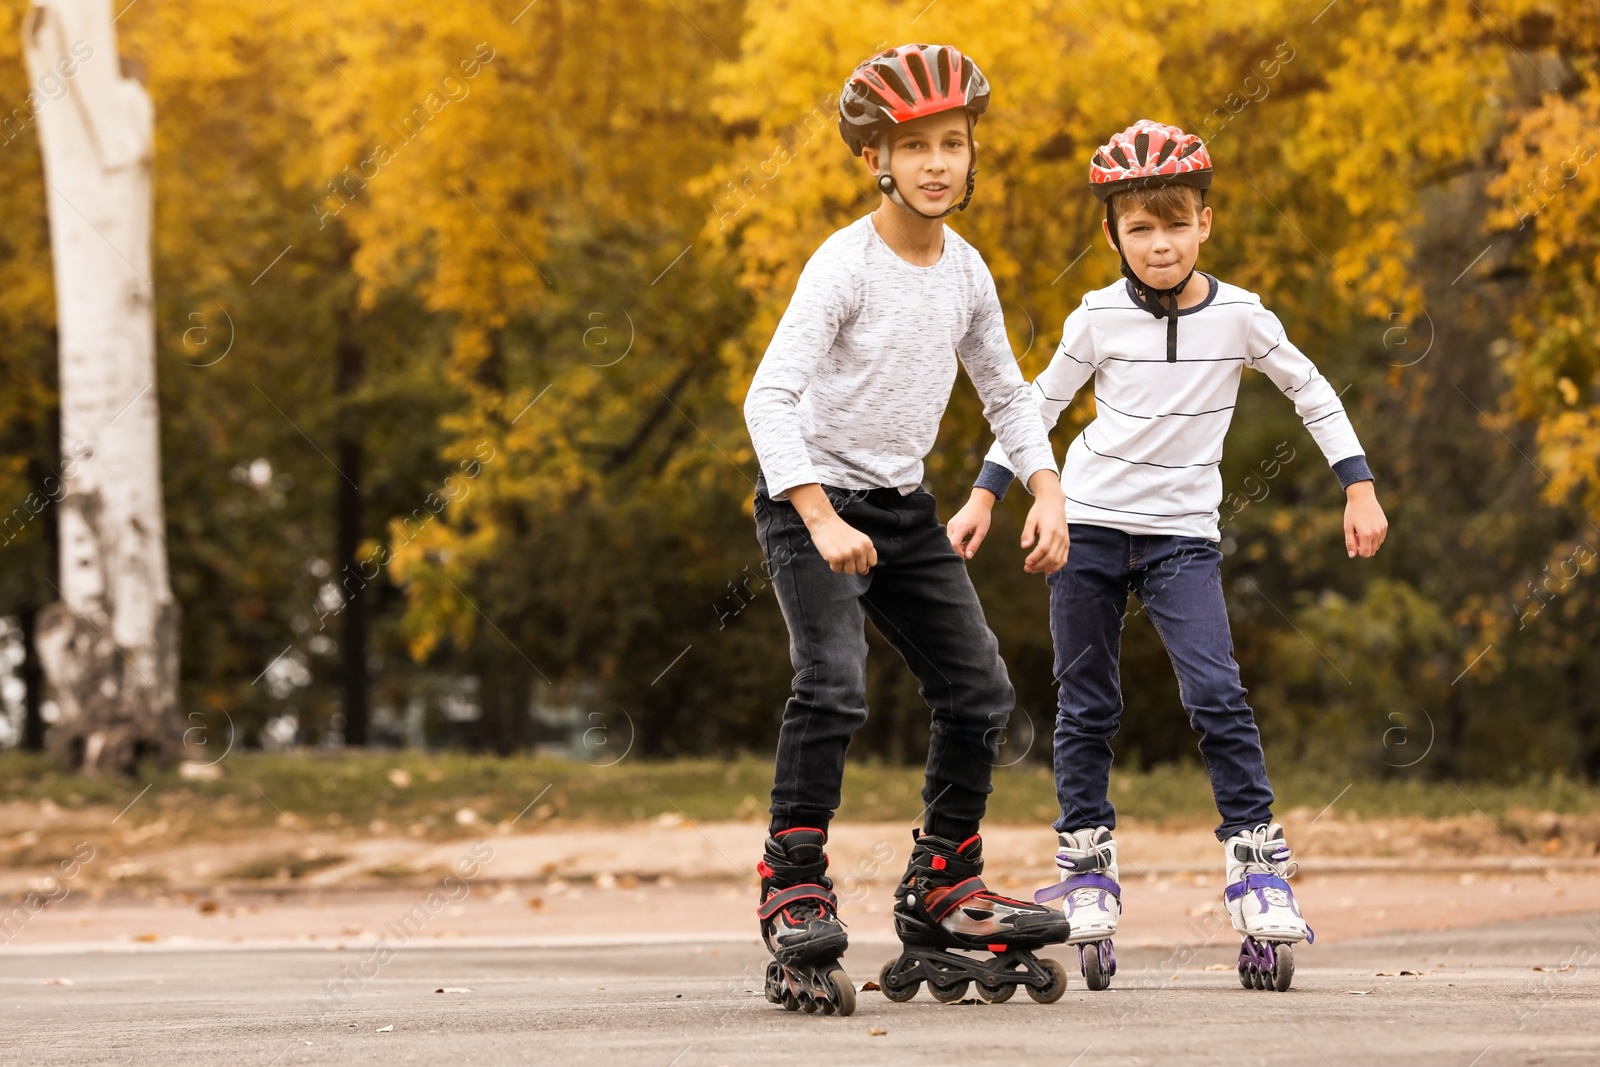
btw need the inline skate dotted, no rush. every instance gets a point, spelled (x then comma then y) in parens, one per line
(942, 910)
(1262, 907)
(1088, 862)
(800, 924)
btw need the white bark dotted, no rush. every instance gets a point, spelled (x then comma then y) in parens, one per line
(110, 647)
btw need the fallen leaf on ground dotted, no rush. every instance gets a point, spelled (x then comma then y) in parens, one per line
(207, 907)
(453, 989)
(147, 938)
(1218, 967)
(1563, 969)
(876, 1031)
(381, 1030)
(58, 981)
(1358, 992)
(870, 987)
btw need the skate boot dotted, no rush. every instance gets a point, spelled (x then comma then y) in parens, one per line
(800, 924)
(941, 905)
(1262, 907)
(1088, 862)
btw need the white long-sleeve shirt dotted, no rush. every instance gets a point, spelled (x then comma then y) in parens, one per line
(1149, 463)
(858, 374)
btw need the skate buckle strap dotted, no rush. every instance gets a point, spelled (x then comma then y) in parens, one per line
(1255, 883)
(1250, 883)
(955, 896)
(783, 898)
(1087, 880)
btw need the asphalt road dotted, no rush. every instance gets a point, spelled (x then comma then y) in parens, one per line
(1511, 994)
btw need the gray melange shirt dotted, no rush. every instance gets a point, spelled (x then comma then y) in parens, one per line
(859, 371)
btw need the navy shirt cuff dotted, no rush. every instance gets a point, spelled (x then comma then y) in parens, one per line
(1351, 470)
(994, 478)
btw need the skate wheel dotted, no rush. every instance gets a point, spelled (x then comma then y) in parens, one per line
(1052, 992)
(791, 1002)
(893, 988)
(1258, 978)
(998, 993)
(844, 992)
(1244, 977)
(1095, 975)
(949, 994)
(774, 983)
(1283, 968)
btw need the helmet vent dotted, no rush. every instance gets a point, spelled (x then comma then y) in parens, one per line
(918, 67)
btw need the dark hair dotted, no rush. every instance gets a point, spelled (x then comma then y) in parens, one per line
(1169, 203)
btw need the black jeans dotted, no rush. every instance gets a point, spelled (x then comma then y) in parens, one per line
(1178, 580)
(921, 600)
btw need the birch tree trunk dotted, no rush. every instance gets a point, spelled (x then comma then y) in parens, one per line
(110, 645)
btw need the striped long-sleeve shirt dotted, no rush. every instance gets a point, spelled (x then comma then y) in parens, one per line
(859, 371)
(1149, 462)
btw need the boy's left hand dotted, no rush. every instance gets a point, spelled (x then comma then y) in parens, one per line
(1365, 525)
(1045, 531)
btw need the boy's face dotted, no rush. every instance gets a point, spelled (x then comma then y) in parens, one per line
(928, 159)
(1161, 253)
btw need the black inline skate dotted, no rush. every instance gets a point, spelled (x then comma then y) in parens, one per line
(941, 904)
(800, 924)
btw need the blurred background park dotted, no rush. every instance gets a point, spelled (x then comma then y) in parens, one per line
(455, 306)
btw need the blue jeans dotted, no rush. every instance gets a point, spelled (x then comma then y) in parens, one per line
(1178, 580)
(921, 600)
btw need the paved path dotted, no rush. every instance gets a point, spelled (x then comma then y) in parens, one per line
(1479, 999)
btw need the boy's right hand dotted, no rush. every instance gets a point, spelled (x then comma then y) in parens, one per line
(846, 549)
(970, 525)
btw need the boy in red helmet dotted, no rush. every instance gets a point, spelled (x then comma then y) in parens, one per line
(842, 411)
(1142, 490)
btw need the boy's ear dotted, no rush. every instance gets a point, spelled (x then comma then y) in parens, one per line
(870, 154)
(1205, 221)
(1111, 238)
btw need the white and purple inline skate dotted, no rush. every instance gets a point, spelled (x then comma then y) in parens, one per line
(1088, 862)
(1262, 907)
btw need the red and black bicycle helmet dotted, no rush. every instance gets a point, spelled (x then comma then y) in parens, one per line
(907, 83)
(1148, 155)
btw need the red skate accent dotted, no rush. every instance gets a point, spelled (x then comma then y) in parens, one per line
(996, 948)
(763, 869)
(938, 863)
(792, 829)
(942, 902)
(963, 846)
(782, 899)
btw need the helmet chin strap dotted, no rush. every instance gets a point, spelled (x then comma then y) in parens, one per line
(886, 183)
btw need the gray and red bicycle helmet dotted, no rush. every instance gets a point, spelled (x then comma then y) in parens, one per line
(907, 83)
